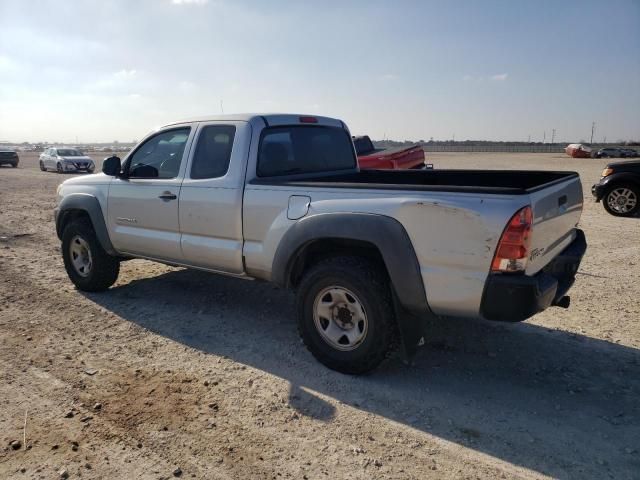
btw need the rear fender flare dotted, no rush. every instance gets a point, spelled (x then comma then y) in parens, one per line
(392, 241)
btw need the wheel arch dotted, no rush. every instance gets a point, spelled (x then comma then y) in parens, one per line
(378, 237)
(83, 205)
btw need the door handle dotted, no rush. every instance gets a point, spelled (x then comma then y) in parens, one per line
(167, 196)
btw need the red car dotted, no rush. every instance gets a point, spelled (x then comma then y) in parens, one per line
(399, 158)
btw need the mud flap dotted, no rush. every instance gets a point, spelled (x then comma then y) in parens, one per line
(412, 330)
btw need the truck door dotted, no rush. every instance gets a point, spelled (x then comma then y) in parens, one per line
(143, 203)
(211, 197)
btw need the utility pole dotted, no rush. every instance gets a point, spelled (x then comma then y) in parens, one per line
(553, 136)
(544, 136)
(221, 107)
(593, 129)
(529, 139)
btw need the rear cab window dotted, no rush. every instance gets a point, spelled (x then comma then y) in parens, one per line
(298, 149)
(213, 151)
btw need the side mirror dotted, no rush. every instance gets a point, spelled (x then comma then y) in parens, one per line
(111, 166)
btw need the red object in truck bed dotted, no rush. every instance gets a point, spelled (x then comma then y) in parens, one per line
(387, 159)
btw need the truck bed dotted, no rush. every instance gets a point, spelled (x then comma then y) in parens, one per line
(507, 182)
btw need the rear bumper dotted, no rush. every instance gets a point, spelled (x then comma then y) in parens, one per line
(513, 298)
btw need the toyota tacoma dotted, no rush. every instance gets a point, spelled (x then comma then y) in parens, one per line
(372, 255)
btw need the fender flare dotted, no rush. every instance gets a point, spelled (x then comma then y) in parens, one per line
(385, 233)
(89, 204)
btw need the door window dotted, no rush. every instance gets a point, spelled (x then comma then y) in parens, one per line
(160, 156)
(213, 151)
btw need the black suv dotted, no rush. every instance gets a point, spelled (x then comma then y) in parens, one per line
(619, 188)
(9, 157)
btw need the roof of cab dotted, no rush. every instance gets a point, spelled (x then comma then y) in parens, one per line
(271, 119)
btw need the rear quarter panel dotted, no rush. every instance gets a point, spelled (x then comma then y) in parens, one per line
(454, 235)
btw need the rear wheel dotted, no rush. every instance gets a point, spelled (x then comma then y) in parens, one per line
(345, 314)
(42, 166)
(89, 267)
(622, 200)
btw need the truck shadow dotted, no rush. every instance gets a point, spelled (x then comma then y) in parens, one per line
(557, 403)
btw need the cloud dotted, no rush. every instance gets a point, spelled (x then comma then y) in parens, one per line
(125, 74)
(186, 86)
(7, 64)
(500, 77)
(189, 2)
(389, 76)
(122, 79)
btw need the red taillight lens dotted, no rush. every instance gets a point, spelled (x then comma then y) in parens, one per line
(513, 247)
(308, 120)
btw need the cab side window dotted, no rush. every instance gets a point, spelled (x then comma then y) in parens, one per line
(160, 156)
(213, 151)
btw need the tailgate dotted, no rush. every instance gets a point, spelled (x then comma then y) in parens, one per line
(556, 213)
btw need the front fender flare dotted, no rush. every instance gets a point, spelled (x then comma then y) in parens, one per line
(89, 204)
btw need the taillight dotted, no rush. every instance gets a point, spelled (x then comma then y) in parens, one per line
(513, 247)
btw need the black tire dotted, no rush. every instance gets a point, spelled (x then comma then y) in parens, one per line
(104, 268)
(370, 284)
(59, 168)
(42, 166)
(14, 165)
(631, 212)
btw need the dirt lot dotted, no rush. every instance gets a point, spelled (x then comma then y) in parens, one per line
(207, 374)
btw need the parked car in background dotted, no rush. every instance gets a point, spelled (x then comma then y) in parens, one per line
(9, 157)
(628, 153)
(609, 152)
(65, 160)
(619, 188)
(371, 255)
(578, 150)
(370, 157)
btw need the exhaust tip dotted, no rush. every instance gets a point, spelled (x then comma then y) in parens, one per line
(563, 302)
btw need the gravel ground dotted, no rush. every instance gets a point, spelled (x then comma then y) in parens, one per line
(179, 373)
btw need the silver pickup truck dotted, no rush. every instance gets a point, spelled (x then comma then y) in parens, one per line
(370, 254)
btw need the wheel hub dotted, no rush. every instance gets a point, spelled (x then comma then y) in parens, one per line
(339, 318)
(622, 200)
(80, 254)
(343, 315)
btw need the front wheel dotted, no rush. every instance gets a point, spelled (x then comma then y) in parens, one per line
(345, 314)
(622, 200)
(89, 267)
(59, 168)
(42, 166)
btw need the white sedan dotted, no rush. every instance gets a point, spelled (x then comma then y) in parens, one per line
(65, 160)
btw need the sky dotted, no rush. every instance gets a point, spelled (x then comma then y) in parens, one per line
(99, 71)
